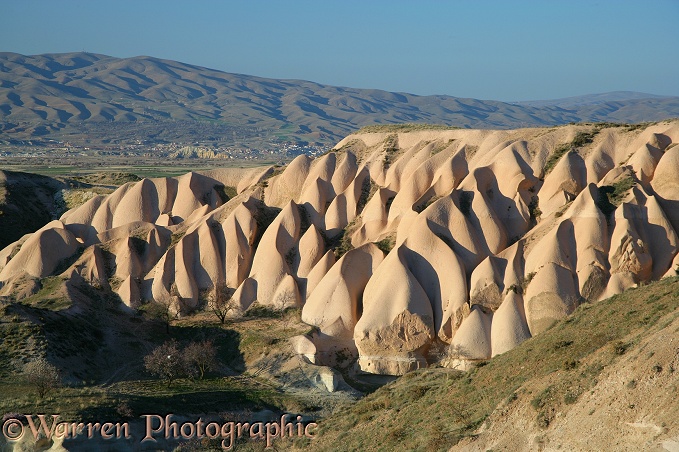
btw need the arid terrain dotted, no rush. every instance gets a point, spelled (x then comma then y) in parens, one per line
(116, 105)
(510, 273)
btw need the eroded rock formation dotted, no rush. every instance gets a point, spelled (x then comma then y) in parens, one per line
(395, 244)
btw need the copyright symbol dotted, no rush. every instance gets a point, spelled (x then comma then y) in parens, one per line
(13, 429)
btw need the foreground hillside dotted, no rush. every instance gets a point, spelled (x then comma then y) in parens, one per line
(604, 378)
(122, 100)
(402, 247)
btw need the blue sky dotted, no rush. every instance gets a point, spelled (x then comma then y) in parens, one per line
(503, 50)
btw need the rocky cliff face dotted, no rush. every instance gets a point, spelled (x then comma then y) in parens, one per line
(397, 244)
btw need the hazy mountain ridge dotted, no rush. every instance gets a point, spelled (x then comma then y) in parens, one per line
(44, 94)
(590, 99)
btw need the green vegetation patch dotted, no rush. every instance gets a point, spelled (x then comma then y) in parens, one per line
(581, 139)
(90, 403)
(390, 150)
(49, 296)
(368, 190)
(407, 127)
(342, 243)
(465, 202)
(611, 196)
(386, 244)
(107, 178)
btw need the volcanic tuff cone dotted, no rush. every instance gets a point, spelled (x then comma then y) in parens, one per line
(395, 243)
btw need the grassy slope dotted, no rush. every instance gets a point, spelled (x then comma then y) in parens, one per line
(433, 409)
(99, 351)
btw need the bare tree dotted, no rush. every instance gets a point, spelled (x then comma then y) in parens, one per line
(43, 375)
(163, 311)
(166, 310)
(285, 301)
(222, 303)
(200, 357)
(165, 361)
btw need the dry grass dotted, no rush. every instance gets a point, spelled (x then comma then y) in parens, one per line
(433, 409)
(402, 128)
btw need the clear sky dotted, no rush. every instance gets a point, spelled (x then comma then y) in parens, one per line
(502, 50)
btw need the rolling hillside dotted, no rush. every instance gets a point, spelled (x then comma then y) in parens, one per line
(119, 100)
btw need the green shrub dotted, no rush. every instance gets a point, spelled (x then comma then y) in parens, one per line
(581, 139)
(611, 196)
(386, 244)
(466, 198)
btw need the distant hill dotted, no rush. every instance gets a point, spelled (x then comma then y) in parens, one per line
(594, 99)
(75, 95)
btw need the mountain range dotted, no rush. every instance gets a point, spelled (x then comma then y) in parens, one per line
(124, 100)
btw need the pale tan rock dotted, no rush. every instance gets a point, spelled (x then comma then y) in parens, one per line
(42, 252)
(129, 293)
(631, 256)
(550, 296)
(485, 254)
(240, 230)
(91, 267)
(246, 294)
(674, 268)
(374, 222)
(509, 327)
(316, 197)
(11, 250)
(440, 273)
(164, 219)
(184, 278)
(162, 277)
(140, 203)
(472, 340)
(311, 250)
(345, 171)
(345, 206)
(644, 161)
(102, 220)
(276, 255)
(79, 220)
(303, 346)
(487, 283)
(287, 294)
(397, 326)
(444, 217)
(239, 178)
(314, 277)
(405, 165)
(665, 183)
(563, 184)
(337, 300)
(556, 247)
(482, 185)
(287, 186)
(126, 260)
(317, 191)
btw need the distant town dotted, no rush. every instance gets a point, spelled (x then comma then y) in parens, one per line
(58, 152)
